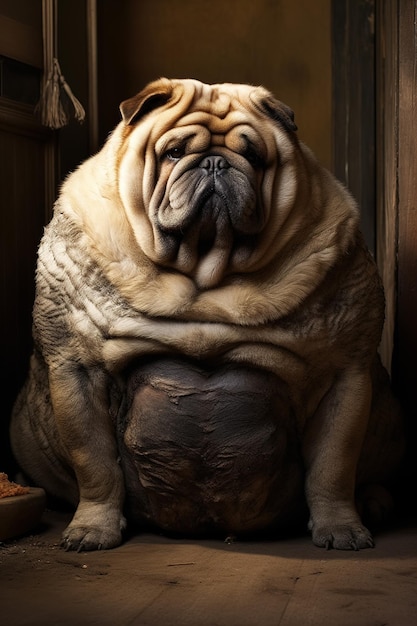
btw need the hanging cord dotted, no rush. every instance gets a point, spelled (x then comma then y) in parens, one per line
(57, 99)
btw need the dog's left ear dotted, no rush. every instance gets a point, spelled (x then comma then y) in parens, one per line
(276, 110)
(153, 96)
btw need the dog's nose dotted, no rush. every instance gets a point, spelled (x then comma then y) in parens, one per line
(214, 164)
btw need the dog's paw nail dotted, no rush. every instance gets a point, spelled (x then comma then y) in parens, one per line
(230, 539)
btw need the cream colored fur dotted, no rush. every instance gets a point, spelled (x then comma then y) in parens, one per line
(301, 298)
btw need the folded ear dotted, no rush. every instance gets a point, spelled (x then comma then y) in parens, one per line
(150, 98)
(275, 109)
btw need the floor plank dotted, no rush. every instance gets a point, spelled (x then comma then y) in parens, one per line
(152, 580)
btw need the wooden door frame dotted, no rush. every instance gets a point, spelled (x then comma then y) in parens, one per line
(396, 148)
(384, 88)
(364, 137)
(404, 184)
(387, 121)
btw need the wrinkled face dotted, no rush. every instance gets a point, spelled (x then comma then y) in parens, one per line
(197, 173)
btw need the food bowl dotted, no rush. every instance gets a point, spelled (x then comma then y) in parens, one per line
(19, 514)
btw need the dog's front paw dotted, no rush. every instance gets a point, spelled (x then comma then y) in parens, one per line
(82, 538)
(342, 537)
(94, 527)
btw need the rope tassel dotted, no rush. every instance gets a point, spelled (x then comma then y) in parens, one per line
(57, 102)
(56, 96)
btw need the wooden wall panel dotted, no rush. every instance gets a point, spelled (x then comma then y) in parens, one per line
(353, 88)
(283, 45)
(387, 165)
(21, 31)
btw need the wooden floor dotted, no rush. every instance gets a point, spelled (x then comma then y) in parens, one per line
(153, 580)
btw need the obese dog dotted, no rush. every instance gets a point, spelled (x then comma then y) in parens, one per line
(205, 327)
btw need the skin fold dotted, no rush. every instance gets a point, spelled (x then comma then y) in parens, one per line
(205, 325)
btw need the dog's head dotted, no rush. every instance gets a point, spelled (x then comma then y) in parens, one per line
(205, 173)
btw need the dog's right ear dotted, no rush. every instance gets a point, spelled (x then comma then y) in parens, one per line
(275, 109)
(153, 96)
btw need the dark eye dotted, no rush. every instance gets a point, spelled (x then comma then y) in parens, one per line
(254, 158)
(174, 154)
